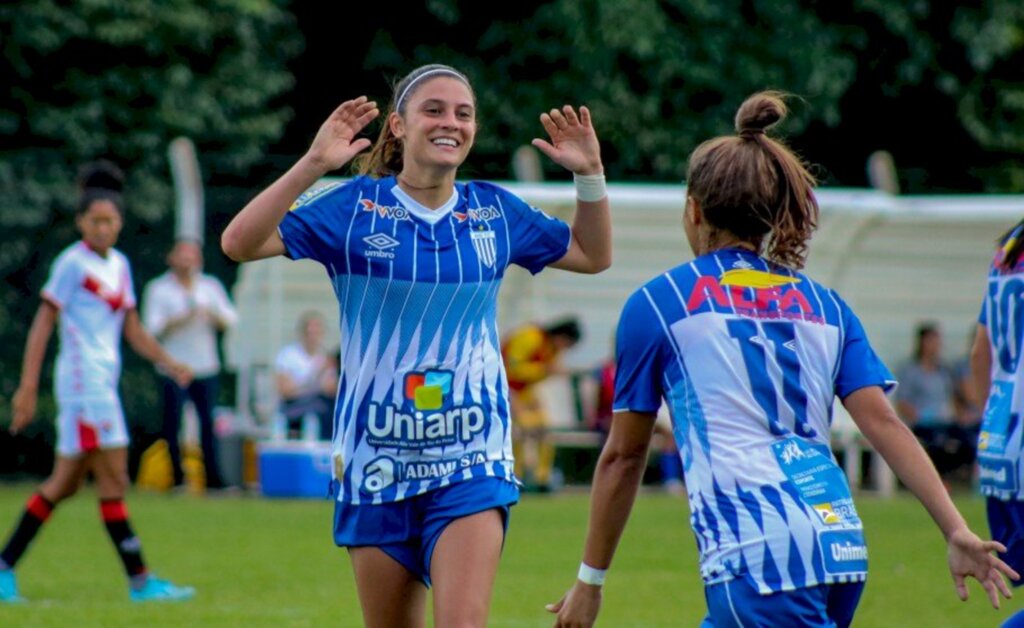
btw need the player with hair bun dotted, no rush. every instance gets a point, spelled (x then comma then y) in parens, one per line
(90, 294)
(749, 354)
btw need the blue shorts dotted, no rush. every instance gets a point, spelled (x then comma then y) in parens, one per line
(1006, 522)
(737, 603)
(408, 530)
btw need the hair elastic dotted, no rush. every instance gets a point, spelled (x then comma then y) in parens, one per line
(1010, 242)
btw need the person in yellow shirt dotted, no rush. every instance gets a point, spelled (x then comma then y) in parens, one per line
(531, 355)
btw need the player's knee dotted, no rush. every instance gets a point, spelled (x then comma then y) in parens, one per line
(115, 485)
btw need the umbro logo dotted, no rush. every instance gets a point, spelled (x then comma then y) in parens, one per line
(381, 241)
(382, 244)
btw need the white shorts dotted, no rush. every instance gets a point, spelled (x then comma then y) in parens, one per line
(83, 426)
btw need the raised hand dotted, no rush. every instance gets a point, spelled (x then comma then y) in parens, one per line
(335, 143)
(969, 556)
(573, 144)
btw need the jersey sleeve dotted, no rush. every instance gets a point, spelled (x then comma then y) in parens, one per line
(65, 277)
(315, 227)
(859, 365)
(639, 357)
(130, 300)
(535, 238)
(154, 311)
(222, 304)
(283, 361)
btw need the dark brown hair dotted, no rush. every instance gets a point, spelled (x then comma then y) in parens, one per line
(925, 329)
(385, 158)
(754, 186)
(100, 181)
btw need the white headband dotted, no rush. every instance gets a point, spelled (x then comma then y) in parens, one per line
(405, 92)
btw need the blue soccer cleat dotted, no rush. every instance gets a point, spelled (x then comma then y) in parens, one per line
(157, 590)
(9, 588)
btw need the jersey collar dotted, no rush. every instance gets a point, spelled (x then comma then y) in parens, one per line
(431, 216)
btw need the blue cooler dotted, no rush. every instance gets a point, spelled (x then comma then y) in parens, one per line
(295, 468)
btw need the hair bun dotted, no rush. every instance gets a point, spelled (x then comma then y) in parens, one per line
(759, 112)
(101, 175)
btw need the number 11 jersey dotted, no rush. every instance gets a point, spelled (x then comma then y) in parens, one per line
(749, 357)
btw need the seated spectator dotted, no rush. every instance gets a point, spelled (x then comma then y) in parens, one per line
(533, 353)
(925, 400)
(307, 378)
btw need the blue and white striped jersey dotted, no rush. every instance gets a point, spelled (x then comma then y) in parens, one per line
(422, 396)
(1001, 441)
(749, 358)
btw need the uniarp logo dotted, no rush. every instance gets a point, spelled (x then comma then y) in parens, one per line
(433, 421)
(483, 214)
(396, 212)
(427, 390)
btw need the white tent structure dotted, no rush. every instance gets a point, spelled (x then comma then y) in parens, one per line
(897, 260)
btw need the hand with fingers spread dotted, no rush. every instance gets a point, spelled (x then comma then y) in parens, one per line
(969, 556)
(335, 143)
(573, 143)
(578, 608)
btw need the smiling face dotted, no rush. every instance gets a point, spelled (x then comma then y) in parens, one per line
(100, 225)
(438, 125)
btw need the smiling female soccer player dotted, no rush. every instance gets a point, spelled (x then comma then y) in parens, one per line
(423, 457)
(749, 354)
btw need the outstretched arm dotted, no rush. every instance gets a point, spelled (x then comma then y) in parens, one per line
(23, 405)
(252, 234)
(143, 343)
(573, 145)
(968, 555)
(616, 482)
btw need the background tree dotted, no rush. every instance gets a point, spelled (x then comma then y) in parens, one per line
(95, 78)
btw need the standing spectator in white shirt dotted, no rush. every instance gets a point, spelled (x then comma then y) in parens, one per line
(307, 377)
(185, 309)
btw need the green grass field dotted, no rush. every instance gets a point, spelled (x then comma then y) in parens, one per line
(258, 562)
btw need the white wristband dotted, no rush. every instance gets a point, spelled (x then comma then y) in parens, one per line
(591, 576)
(590, 188)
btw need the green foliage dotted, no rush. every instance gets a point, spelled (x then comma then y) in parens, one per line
(102, 78)
(659, 77)
(663, 75)
(972, 54)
